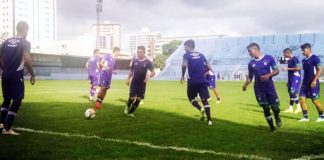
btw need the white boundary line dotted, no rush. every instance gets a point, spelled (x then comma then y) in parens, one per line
(146, 144)
(321, 156)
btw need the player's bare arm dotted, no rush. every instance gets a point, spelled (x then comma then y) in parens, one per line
(28, 64)
(317, 76)
(298, 68)
(130, 75)
(269, 75)
(247, 82)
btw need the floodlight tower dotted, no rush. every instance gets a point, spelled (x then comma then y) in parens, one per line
(98, 10)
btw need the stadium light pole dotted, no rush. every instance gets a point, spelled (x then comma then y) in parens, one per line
(98, 10)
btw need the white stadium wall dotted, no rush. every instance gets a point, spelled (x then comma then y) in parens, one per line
(228, 56)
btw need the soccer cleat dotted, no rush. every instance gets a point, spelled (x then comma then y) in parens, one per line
(90, 98)
(289, 110)
(98, 105)
(141, 103)
(272, 129)
(1, 125)
(320, 120)
(126, 110)
(304, 120)
(9, 132)
(278, 122)
(298, 110)
(209, 99)
(210, 123)
(202, 112)
(218, 101)
(130, 115)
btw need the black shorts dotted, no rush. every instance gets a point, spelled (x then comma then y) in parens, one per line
(194, 89)
(137, 89)
(13, 88)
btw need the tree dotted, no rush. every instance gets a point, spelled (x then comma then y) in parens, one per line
(169, 48)
(159, 61)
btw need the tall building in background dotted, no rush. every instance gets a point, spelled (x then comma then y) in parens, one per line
(147, 39)
(39, 14)
(109, 35)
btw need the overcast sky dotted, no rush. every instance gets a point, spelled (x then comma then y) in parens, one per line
(194, 17)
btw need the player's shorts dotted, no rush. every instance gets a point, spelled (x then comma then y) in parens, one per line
(104, 82)
(13, 88)
(137, 89)
(266, 95)
(94, 80)
(294, 86)
(309, 92)
(194, 89)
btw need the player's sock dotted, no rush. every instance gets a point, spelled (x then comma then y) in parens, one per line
(267, 115)
(130, 102)
(196, 104)
(4, 110)
(270, 122)
(12, 114)
(291, 103)
(305, 114)
(207, 109)
(92, 90)
(297, 101)
(99, 100)
(135, 106)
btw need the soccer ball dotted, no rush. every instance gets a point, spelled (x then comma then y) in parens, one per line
(90, 113)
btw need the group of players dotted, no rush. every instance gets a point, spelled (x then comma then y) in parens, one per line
(101, 70)
(15, 55)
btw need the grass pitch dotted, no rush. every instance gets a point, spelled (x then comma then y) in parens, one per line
(165, 127)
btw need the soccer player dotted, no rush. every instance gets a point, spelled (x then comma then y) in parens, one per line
(137, 79)
(294, 80)
(15, 54)
(93, 68)
(310, 87)
(107, 64)
(211, 78)
(197, 84)
(263, 68)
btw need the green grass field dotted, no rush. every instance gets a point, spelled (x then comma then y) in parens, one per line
(167, 123)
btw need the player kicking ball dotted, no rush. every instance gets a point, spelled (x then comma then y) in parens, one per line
(197, 84)
(311, 86)
(294, 80)
(107, 64)
(137, 79)
(263, 68)
(93, 67)
(14, 55)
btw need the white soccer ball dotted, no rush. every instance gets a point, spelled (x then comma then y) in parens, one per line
(90, 113)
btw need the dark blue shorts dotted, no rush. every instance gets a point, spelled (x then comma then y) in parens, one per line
(294, 86)
(194, 89)
(137, 89)
(308, 92)
(13, 88)
(266, 95)
(104, 82)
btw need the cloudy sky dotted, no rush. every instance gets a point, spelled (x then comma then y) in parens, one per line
(194, 17)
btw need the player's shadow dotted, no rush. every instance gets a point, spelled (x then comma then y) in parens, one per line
(122, 100)
(248, 104)
(160, 126)
(84, 97)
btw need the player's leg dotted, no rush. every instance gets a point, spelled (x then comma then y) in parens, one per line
(267, 115)
(303, 95)
(315, 96)
(17, 93)
(140, 96)
(275, 104)
(192, 92)
(6, 102)
(296, 87)
(204, 95)
(261, 98)
(292, 99)
(104, 86)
